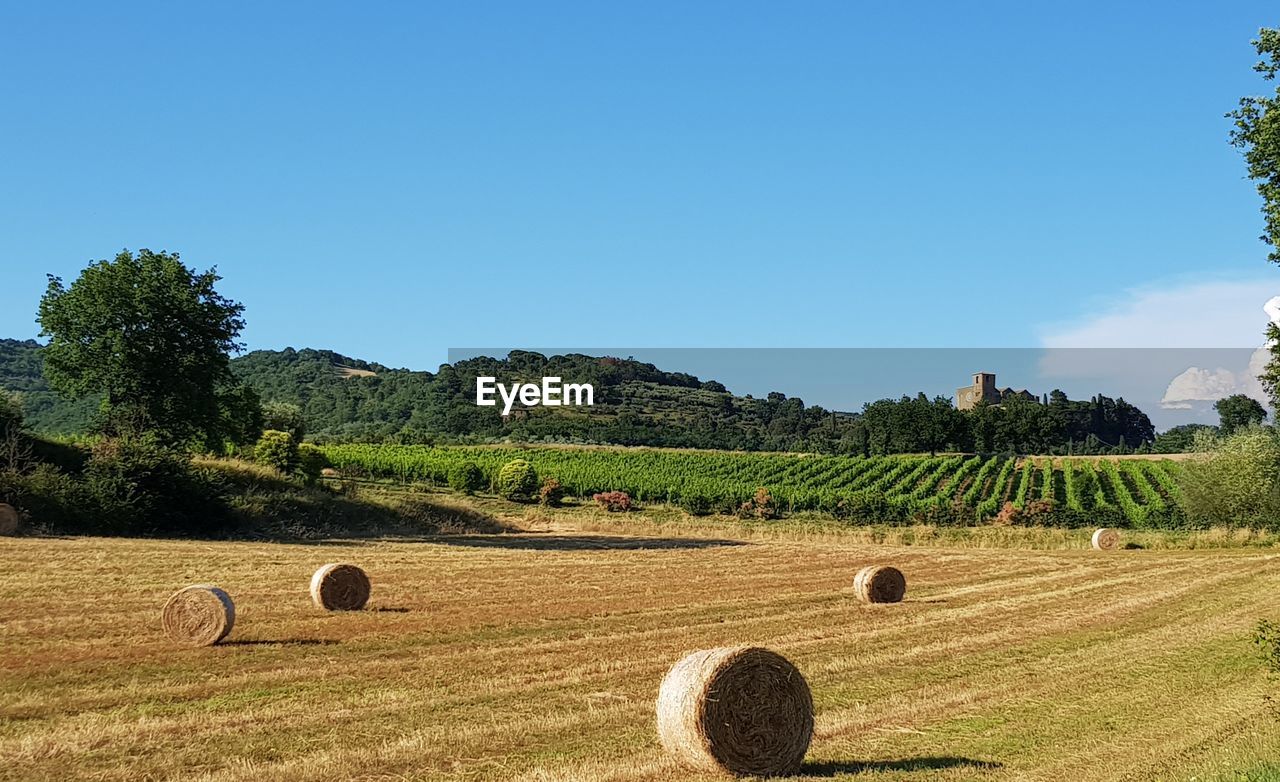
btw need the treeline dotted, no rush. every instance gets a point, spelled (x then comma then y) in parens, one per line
(343, 399)
(641, 405)
(1060, 426)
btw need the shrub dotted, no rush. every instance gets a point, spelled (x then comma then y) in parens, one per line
(517, 480)
(613, 501)
(52, 500)
(696, 504)
(760, 506)
(1234, 481)
(141, 486)
(311, 461)
(939, 511)
(128, 487)
(1038, 512)
(15, 446)
(277, 449)
(863, 506)
(1009, 515)
(551, 493)
(466, 478)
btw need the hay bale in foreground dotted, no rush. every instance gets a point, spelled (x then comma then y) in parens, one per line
(880, 584)
(340, 587)
(9, 519)
(742, 710)
(1106, 539)
(198, 615)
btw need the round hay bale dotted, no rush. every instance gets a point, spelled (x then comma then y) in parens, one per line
(199, 615)
(880, 584)
(9, 519)
(329, 472)
(1106, 539)
(742, 710)
(340, 587)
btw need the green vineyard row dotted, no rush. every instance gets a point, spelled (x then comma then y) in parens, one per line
(956, 488)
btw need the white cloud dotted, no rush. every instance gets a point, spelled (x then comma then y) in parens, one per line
(1196, 342)
(1186, 314)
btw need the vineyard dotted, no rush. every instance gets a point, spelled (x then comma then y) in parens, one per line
(938, 489)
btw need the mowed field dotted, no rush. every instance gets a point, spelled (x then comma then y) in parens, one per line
(538, 656)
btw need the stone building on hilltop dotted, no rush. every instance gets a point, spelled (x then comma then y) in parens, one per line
(984, 390)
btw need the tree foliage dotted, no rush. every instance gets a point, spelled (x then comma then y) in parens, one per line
(278, 450)
(284, 417)
(1234, 480)
(1239, 411)
(467, 478)
(517, 480)
(1257, 134)
(153, 338)
(1179, 439)
(637, 404)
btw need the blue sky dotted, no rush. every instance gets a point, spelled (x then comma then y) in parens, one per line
(394, 180)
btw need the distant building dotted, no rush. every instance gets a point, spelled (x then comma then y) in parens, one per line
(984, 390)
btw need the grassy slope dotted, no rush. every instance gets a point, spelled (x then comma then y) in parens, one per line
(538, 656)
(268, 505)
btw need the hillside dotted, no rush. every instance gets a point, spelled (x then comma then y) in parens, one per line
(345, 399)
(46, 411)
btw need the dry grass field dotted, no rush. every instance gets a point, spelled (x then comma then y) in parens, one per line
(538, 656)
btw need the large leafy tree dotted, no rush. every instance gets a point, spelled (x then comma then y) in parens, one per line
(153, 337)
(1238, 412)
(1257, 133)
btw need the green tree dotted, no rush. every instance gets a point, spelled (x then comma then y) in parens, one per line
(153, 337)
(1237, 412)
(284, 417)
(1270, 376)
(1180, 439)
(1257, 134)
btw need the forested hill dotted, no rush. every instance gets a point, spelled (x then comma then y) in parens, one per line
(348, 399)
(635, 403)
(345, 398)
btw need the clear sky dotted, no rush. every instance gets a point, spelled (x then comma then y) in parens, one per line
(393, 180)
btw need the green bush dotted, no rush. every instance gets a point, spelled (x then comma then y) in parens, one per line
(277, 449)
(696, 504)
(128, 487)
(466, 478)
(863, 506)
(11, 422)
(311, 460)
(1235, 480)
(143, 487)
(51, 500)
(517, 480)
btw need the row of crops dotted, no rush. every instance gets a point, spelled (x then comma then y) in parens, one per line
(956, 488)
